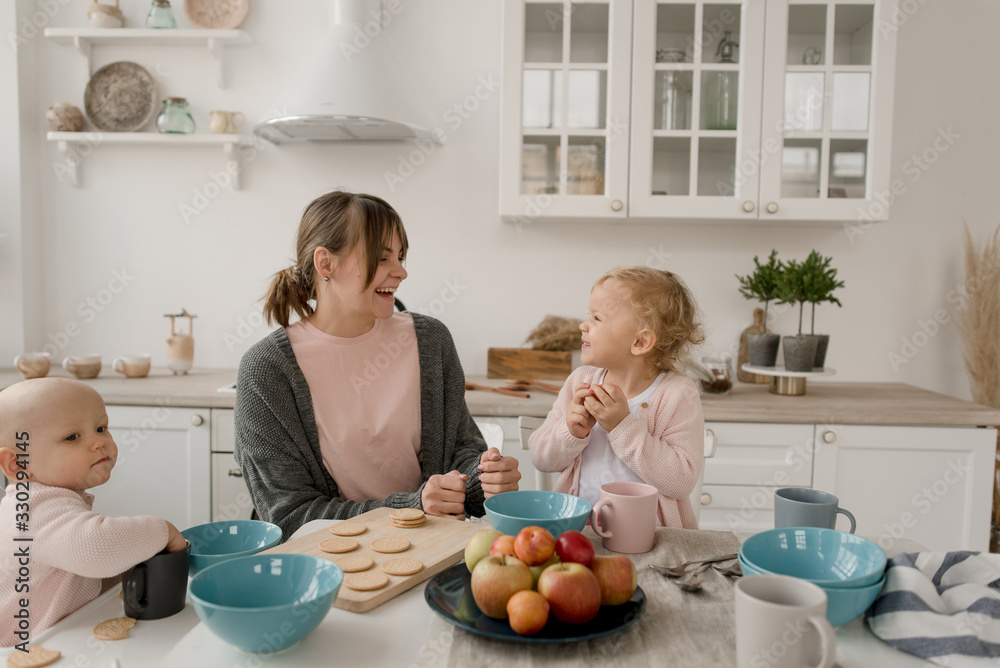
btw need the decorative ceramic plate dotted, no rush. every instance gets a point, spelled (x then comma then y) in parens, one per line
(226, 14)
(121, 97)
(449, 595)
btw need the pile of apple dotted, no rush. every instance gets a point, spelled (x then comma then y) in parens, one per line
(523, 578)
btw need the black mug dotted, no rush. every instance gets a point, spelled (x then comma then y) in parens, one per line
(156, 588)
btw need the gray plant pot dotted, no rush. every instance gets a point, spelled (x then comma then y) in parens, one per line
(763, 349)
(822, 342)
(800, 352)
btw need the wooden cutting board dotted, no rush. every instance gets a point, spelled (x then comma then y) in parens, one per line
(528, 363)
(438, 544)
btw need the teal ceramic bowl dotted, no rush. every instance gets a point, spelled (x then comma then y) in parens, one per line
(843, 604)
(825, 557)
(512, 511)
(265, 603)
(216, 542)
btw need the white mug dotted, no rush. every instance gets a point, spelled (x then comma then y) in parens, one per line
(133, 366)
(781, 623)
(33, 365)
(83, 366)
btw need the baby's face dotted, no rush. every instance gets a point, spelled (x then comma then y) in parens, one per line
(611, 326)
(72, 446)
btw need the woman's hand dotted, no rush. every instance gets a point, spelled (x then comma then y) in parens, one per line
(607, 404)
(499, 474)
(579, 421)
(175, 541)
(444, 495)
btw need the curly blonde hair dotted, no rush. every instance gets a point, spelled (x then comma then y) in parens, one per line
(663, 303)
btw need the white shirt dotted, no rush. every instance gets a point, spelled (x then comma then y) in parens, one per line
(600, 464)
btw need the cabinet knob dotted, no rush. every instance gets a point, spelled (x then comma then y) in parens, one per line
(235, 473)
(706, 499)
(617, 205)
(197, 420)
(829, 436)
(748, 206)
(772, 207)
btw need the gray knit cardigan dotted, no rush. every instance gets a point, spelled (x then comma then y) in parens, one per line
(277, 445)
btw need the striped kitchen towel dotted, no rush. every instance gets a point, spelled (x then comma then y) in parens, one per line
(941, 606)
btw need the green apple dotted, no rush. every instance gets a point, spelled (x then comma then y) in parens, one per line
(479, 546)
(537, 570)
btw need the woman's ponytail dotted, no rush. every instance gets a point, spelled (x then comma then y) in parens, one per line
(289, 291)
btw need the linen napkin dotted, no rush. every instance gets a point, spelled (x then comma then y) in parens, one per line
(941, 606)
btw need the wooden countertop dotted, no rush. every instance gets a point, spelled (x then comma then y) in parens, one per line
(824, 401)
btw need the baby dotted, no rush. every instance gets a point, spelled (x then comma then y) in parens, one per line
(55, 445)
(630, 415)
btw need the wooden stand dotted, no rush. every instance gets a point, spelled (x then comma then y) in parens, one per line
(788, 383)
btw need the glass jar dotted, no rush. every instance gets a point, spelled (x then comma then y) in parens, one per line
(675, 103)
(720, 368)
(722, 90)
(160, 15)
(174, 117)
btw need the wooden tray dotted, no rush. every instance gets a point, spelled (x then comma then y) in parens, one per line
(439, 543)
(528, 363)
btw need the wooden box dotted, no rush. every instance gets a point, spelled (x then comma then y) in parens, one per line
(527, 363)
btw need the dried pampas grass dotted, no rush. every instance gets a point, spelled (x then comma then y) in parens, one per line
(556, 333)
(979, 319)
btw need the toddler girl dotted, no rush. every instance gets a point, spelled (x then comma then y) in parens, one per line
(54, 445)
(629, 414)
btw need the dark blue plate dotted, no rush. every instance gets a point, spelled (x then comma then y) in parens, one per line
(449, 595)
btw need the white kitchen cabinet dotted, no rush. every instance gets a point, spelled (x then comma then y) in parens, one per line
(643, 110)
(933, 485)
(230, 496)
(751, 461)
(163, 464)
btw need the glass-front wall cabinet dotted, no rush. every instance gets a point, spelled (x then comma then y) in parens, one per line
(675, 109)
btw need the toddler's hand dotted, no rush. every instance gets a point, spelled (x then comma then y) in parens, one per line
(175, 541)
(607, 404)
(579, 420)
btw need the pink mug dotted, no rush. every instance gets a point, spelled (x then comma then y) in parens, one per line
(628, 522)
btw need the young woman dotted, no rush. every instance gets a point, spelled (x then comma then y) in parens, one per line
(356, 406)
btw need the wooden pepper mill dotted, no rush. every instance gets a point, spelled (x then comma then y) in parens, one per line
(744, 353)
(180, 347)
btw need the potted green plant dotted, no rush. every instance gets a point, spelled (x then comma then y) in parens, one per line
(762, 285)
(820, 286)
(794, 284)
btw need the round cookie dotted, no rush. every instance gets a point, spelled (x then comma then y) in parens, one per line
(355, 563)
(348, 529)
(114, 629)
(366, 581)
(402, 566)
(406, 514)
(338, 544)
(36, 657)
(390, 545)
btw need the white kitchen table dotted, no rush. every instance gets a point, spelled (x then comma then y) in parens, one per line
(392, 635)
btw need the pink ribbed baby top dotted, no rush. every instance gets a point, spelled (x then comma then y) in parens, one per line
(72, 548)
(366, 400)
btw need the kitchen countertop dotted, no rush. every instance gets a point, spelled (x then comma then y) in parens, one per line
(824, 401)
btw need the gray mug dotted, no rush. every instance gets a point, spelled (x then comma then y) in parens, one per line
(804, 507)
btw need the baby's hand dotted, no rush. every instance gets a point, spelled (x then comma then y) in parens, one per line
(579, 420)
(175, 541)
(607, 404)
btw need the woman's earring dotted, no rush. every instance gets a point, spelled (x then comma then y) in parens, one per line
(326, 278)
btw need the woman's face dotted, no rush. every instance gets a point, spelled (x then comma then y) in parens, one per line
(377, 298)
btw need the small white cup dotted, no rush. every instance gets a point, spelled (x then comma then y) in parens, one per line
(781, 623)
(83, 366)
(33, 365)
(133, 366)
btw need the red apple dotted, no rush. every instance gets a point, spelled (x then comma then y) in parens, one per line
(574, 546)
(528, 612)
(534, 545)
(502, 545)
(494, 580)
(536, 571)
(478, 546)
(572, 592)
(617, 578)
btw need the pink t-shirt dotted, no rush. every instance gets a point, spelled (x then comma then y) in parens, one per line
(366, 399)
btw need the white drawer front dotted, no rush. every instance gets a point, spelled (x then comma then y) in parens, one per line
(775, 455)
(230, 497)
(736, 508)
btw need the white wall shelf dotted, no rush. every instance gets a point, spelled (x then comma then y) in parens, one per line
(74, 146)
(84, 40)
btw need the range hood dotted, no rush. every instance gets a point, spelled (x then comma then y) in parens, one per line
(353, 88)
